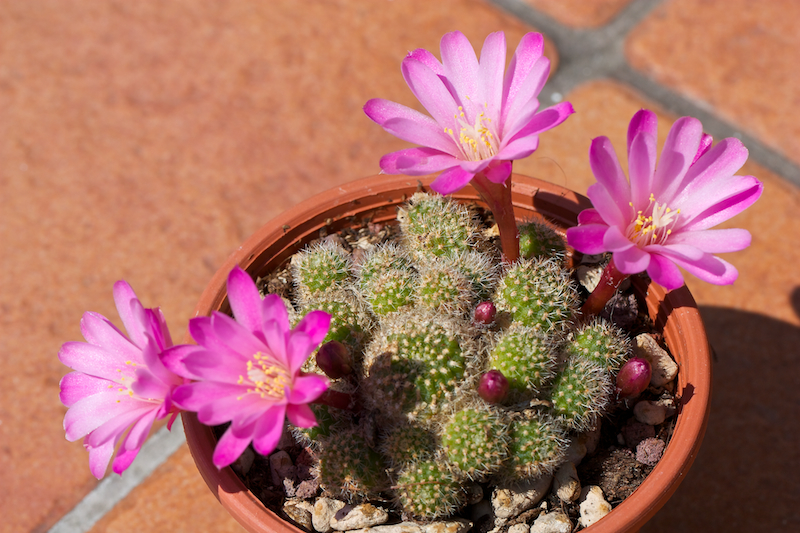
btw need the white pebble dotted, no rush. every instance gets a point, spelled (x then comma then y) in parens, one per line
(358, 517)
(510, 501)
(651, 413)
(519, 528)
(566, 484)
(664, 369)
(447, 526)
(555, 522)
(281, 467)
(324, 509)
(593, 505)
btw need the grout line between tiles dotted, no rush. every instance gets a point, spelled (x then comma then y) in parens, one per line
(158, 448)
(589, 54)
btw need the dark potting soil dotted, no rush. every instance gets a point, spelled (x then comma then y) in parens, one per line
(613, 465)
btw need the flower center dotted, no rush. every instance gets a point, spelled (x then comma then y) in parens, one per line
(653, 225)
(268, 380)
(477, 141)
(125, 379)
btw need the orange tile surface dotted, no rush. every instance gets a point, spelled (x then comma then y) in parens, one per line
(736, 57)
(145, 140)
(580, 13)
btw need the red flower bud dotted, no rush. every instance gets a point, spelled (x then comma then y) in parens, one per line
(633, 378)
(493, 386)
(334, 359)
(485, 313)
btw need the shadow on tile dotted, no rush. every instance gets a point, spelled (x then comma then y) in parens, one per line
(746, 477)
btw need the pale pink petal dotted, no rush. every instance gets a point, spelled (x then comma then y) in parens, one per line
(153, 364)
(430, 91)
(519, 148)
(417, 161)
(244, 299)
(705, 144)
(719, 162)
(135, 438)
(605, 205)
(91, 412)
(245, 408)
(301, 416)
(233, 338)
(298, 348)
(269, 429)
(609, 174)
(664, 272)
(99, 457)
(491, 71)
(410, 125)
(207, 365)
(195, 396)
(99, 331)
(273, 308)
(149, 386)
(498, 171)
(113, 427)
(544, 120)
(451, 180)
(614, 240)
(707, 267)
(427, 59)
(461, 69)
(173, 358)
(587, 238)
(641, 168)
(632, 260)
(644, 121)
(315, 324)
(123, 460)
(677, 155)
(525, 74)
(740, 192)
(77, 385)
(231, 445)
(307, 389)
(714, 241)
(124, 298)
(277, 337)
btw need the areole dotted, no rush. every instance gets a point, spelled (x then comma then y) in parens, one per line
(376, 199)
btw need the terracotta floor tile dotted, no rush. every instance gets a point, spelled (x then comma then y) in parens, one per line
(580, 13)
(750, 449)
(731, 56)
(144, 141)
(175, 499)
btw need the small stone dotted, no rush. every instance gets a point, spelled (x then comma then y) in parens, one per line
(651, 413)
(403, 527)
(508, 502)
(324, 509)
(307, 489)
(566, 484)
(593, 505)
(286, 441)
(649, 451)
(281, 467)
(448, 526)
(358, 517)
(288, 488)
(243, 464)
(519, 528)
(591, 438)
(634, 432)
(299, 512)
(589, 276)
(664, 369)
(474, 493)
(576, 450)
(555, 522)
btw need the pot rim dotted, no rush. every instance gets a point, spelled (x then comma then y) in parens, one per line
(675, 313)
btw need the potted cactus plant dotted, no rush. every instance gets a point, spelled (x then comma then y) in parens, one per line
(453, 356)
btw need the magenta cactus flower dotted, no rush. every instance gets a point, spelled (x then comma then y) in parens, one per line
(662, 218)
(481, 117)
(119, 386)
(247, 370)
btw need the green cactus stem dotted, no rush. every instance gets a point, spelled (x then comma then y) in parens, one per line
(537, 446)
(429, 490)
(320, 268)
(525, 358)
(475, 442)
(601, 342)
(580, 393)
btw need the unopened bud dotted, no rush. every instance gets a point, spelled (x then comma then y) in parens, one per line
(493, 386)
(633, 378)
(334, 359)
(485, 313)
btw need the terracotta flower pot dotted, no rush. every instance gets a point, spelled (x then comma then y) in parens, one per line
(375, 199)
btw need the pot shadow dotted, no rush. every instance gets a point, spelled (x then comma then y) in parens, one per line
(746, 477)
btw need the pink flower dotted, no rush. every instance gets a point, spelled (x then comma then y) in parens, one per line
(120, 384)
(481, 118)
(661, 218)
(248, 369)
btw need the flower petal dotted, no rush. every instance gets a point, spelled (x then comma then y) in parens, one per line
(498, 172)
(607, 170)
(231, 445)
(269, 429)
(719, 162)
(124, 298)
(642, 153)
(705, 266)
(316, 325)
(525, 76)
(77, 385)
(740, 193)
(417, 161)
(677, 155)
(705, 144)
(632, 260)
(301, 416)
(430, 90)
(664, 272)
(99, 331)
(644, 121)
(307, 388)
(605, 206)
(410, 125)
(714, 241)
(461, 69)
(244, 299)
(590, 216)
(542, 121)
(451, 180)
(90, 359)
(491, 70)
(587, 238)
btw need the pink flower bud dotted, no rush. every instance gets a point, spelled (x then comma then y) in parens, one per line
(485, 313)
(493, 386)
(334, 359)
(633, 378)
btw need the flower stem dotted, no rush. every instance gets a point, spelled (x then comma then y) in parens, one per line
(605, 290)
(340, 400)
(498, 197)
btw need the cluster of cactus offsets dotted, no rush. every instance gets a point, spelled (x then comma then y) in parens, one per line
(403, 326)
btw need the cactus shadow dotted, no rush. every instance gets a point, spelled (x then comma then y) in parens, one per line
(746, 477)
